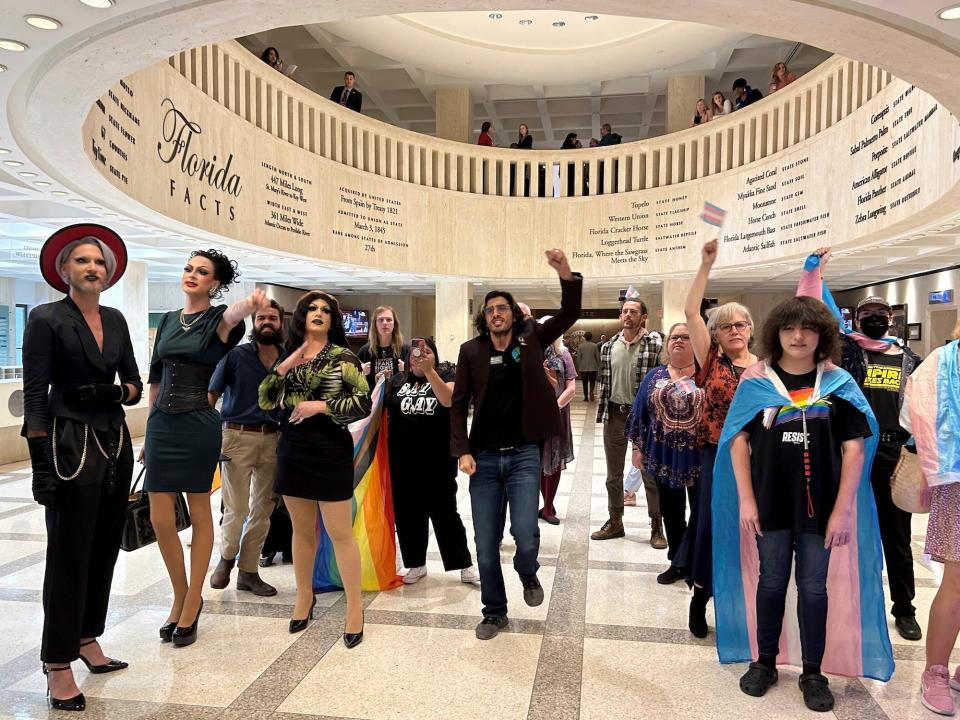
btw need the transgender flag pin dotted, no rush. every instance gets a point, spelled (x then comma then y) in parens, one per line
(713, 215)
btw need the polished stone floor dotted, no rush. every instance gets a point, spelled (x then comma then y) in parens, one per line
(608, 643)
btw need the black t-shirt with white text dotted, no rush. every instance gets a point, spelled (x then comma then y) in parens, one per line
(419, 429)
(882, 388)
(777, 461)
(499, 422)
(383, 360)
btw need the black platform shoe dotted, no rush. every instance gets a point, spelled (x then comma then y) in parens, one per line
(111, 666)
(351, 640)
(166, 631)
(77, 702)
(183, 636)
(301, 625)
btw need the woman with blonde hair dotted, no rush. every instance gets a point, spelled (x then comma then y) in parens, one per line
(780, 77)
(721, 350)
(384, 353)
(931, 411)
(701, 113)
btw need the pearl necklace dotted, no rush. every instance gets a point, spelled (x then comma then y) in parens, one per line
(187, 325)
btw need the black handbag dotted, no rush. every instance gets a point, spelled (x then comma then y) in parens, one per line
(137, 528)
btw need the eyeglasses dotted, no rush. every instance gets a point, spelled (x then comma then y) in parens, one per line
(679, 338)
(738, 326)
(501, 308)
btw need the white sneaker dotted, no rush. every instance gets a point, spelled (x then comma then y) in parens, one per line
(415, 575)
(470, 576)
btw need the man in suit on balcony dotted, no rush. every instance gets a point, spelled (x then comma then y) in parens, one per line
(347, 94)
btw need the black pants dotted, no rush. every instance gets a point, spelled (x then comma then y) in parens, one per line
(895, 532)
(84, 529)
(589, 378)
(420, 496)
(673, 510)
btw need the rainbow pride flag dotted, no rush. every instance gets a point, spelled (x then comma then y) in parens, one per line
(373, 519)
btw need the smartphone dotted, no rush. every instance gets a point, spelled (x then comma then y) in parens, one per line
(417, 346)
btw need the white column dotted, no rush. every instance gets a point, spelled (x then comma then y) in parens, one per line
(129, 296)
(683, 91)
(452, 318)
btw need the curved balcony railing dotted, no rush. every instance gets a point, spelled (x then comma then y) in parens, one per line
(233, 77)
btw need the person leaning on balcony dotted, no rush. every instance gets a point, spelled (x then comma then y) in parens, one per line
(347, 94)
(484, 138)
(780, 77)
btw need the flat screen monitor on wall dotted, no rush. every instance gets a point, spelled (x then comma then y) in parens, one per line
(355, 322)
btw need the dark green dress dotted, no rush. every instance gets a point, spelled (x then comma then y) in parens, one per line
(182, 449)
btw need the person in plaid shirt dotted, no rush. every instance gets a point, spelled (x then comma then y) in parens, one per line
(624, 361)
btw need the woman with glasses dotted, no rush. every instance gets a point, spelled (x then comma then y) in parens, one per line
(721, 348)
(662, 426)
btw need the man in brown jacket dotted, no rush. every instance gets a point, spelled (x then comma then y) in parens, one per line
(515, 408)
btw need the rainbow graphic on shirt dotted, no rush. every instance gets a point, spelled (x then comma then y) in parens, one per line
(802, 400)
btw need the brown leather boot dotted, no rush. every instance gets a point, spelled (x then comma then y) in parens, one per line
(657, 540)
(252, 582)
(221, 574)
(612, 528)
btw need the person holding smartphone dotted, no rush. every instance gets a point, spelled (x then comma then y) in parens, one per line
(423, 472)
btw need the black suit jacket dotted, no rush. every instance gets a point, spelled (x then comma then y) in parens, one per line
(354, 99)
(540, 416)
(60, 352)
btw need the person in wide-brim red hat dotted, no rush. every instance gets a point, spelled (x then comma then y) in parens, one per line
(58, 246)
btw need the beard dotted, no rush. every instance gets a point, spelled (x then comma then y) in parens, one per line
(266, 336)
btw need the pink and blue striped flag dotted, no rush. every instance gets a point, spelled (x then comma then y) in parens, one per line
(713, 215)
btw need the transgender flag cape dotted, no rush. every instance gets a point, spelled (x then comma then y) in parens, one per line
(934, 407)
(857, 641)
(373, 521)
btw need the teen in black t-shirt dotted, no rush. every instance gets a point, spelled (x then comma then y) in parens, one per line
(422, 471)
(797, 468)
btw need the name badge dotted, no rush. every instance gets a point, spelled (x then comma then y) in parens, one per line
(496, 359)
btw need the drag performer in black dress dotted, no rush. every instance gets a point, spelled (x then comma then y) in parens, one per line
(80, 450)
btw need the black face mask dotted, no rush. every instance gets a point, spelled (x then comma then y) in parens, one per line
(875, 326)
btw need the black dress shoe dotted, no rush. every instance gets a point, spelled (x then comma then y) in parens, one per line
(301, 625)
(908, 627)
(166, 631)
(351, 640)
(266, 560)
(669, 576)
(111, 666)
(697, 621)
(183, 636)
(76, 703)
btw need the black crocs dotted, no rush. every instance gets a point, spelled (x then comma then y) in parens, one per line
(816, 692)
(758, 679)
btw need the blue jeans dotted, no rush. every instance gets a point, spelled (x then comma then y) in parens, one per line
(776, 554)
(514, 476)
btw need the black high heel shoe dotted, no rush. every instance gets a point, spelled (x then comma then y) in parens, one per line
(301, 625)
(77, 702)
(166, 631)
(183, 636)
(111, 666)
(351, 640)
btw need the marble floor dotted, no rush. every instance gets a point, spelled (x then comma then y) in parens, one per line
(608, 642)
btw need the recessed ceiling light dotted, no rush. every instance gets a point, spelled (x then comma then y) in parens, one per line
(559, 24)
(28, 174)
(99, 4)
(42, 183)
(60, 193)
(495, 16)
(12, 45)
(12, 163)
(4, 151)
(526, 21)
(950, 13)
(591, 18)
(3, 68)
(76, 201)
(93, 207)
(42, 22)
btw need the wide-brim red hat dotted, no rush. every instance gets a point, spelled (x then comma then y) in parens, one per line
(64, 236)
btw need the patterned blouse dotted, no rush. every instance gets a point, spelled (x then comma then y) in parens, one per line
(719, 379)
(663, 423)
(334, 375)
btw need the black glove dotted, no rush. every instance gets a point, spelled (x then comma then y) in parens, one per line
(44, 477)
(92, 396)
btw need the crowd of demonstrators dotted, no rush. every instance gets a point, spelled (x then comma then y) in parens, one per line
(321, 388)
(785, 461)
(662, 426)
(557, 449)
(501, 372)
(624, 361)
(931, 411)
(422, 471)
